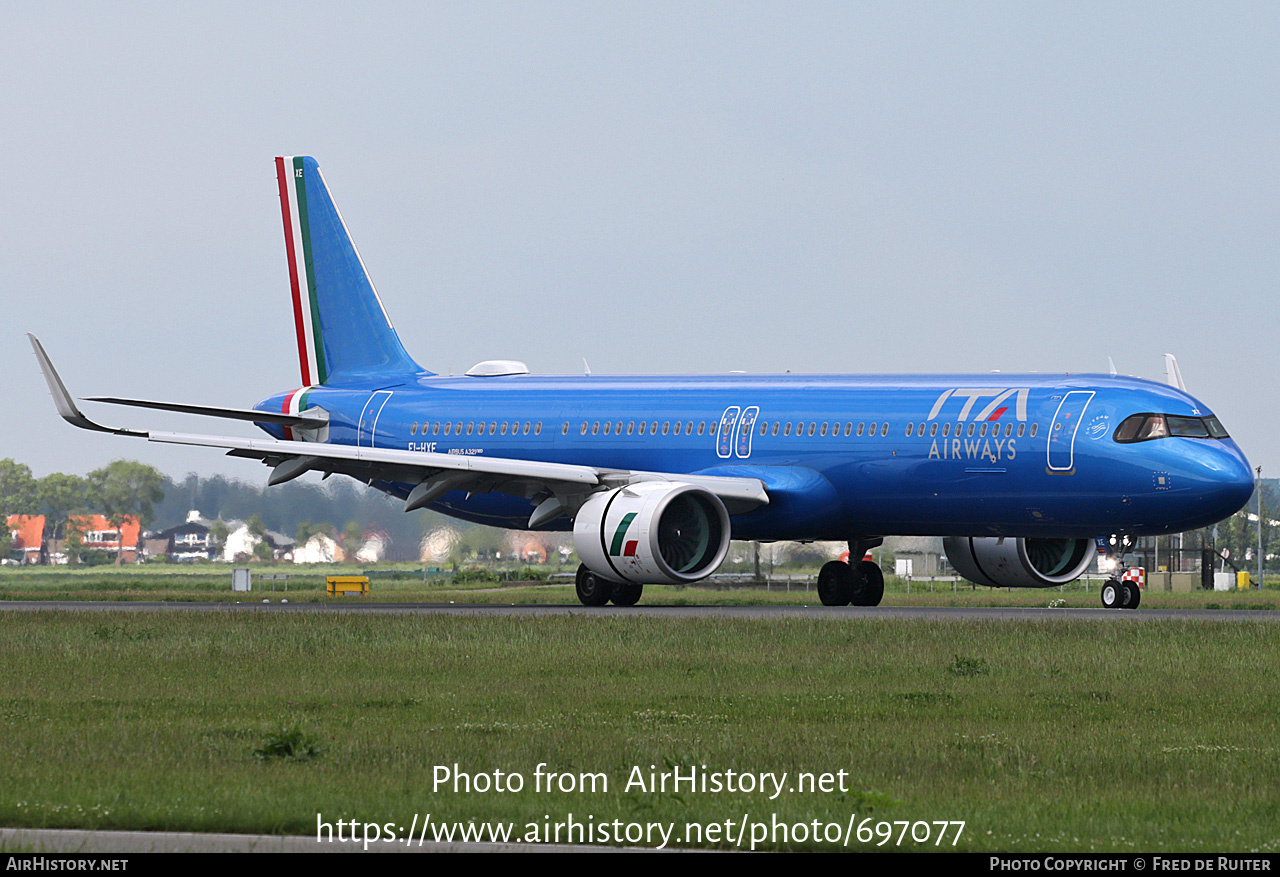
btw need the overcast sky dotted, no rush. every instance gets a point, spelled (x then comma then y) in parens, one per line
(847, 187)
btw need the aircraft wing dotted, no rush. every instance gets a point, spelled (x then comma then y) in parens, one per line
(555, 487)
(436, 474)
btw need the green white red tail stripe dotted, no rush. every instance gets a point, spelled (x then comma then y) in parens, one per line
(295, 403)
(302, 281)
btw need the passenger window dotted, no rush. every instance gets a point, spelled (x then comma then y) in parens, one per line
(848, 428)
(653, 428)
(413, 428)
(564, 430)
(811, 427)
(1022, 427)
(884, 430)
(786, 430)
(823, 431)
(448, 427)
(1034, 429)
(642, 427)
(1008, 430)
(608, 425)
(910, 428)
(631, 427)
(470, 426)
(435, 428)
(504, 428)
(676, 428)
(595, 428)
(666, 426)
(982, 430)
(537, 428)
(701, 427)
(933, 430)
(970, 430)
(860, 428)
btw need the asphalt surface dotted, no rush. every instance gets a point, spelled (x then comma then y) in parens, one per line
(935, 613)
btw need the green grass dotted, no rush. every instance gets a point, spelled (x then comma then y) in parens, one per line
(1041, 736)
(204, 582)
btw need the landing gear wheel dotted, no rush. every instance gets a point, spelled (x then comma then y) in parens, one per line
(627, 595)
(835, 581)
(1131, 596)
(592, 589)
(1112, 594)
(868, 589)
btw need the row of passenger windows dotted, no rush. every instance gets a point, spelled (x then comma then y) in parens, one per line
(979, 429)
(631, 427)
(493, 427)
(709, 427)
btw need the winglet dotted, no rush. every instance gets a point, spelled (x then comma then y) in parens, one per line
(62, 399)
(1173, 373)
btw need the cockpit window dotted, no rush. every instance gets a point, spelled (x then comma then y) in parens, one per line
(1144, 427)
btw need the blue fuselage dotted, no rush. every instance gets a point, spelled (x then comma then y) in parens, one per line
(841, 455)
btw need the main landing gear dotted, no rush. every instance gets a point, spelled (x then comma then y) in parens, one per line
(1120, 595)
(859, 581)
(840, 583)
(596, 591)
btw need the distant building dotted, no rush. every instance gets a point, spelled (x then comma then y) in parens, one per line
(918, 555)
(98, 534)
(242, 544)
(187, 541)
(373, 547)
(319, 549)
(28, 538)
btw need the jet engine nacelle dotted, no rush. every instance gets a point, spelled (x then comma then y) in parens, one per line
(1009, 562)
(652, 533)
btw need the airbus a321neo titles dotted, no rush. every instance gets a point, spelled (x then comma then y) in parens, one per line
(1020, 473)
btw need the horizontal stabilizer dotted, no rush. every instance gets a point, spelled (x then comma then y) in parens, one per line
(301, 420)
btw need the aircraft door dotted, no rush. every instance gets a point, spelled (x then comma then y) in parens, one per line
(1062, 432)
(367, 434)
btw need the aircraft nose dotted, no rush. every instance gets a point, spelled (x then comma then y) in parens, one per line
(1232, 477)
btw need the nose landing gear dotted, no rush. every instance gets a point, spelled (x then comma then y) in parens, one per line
(1120, 595)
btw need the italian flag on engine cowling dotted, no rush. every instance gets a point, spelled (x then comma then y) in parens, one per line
(302, 278)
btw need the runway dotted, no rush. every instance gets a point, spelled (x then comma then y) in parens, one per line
(832, 613)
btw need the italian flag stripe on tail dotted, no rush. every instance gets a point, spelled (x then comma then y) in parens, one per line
(302, 281)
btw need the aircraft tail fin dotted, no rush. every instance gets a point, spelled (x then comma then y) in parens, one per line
(1173, 373)
(343, 332)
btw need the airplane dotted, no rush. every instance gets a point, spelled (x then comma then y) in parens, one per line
(1025, 476)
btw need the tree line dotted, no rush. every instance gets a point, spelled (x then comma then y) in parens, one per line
(119, 491)
(341, 508)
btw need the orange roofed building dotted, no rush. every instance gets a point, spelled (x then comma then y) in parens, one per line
(99, 534)
(28, 537)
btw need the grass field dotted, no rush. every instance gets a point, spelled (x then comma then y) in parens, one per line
(1040, 736)
(306, 584)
